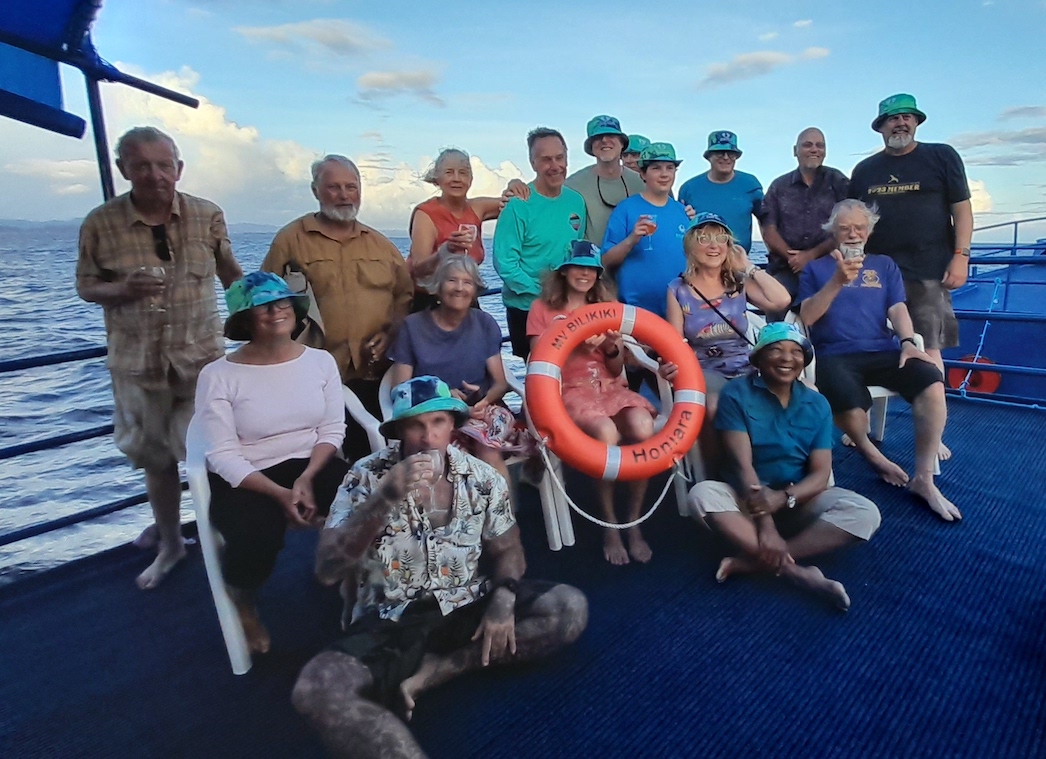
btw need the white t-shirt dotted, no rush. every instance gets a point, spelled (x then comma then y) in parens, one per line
(255, 416)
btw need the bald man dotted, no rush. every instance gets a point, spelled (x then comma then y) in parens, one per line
(795, 208)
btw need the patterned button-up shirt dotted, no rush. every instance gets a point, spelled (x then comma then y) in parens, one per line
(183, 331)
(798, 210)
(410, 559)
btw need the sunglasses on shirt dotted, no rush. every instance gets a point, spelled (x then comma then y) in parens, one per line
(160, 242)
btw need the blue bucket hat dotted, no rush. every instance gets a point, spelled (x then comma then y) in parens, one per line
(257, 289)
(636, 143)
(722, 142)
(601, 125)
(896, 104)
(707, 217)
(658, 151)
(583, 253)
(777, 332)
(422, 395)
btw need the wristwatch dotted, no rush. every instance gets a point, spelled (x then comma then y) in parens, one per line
(791, 502)
(962, 252)
(909, 340)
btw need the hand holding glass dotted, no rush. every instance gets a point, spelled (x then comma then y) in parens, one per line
(425, 489)
(470, 231)
(151, 279)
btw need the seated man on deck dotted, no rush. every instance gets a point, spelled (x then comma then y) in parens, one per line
(779, 508)
(412, 522)
(846, 300)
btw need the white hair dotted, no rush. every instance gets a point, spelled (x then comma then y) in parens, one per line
(852, 204)
(144, 134)
(318, 166)
(432, 174)
(450, 264)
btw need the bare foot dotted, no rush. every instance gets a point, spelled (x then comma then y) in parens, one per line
(735, 565)
(813, 579)
(944, 452)
(149, 538)
(165, 561)
(613, 549)
(886, 469)
(638, 548)
(925, 488)
(413, 686)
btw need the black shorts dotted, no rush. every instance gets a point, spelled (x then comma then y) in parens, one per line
(517, 331)
(393, 651)
(844, 380)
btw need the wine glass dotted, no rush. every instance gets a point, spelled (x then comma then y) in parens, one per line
(652, 226)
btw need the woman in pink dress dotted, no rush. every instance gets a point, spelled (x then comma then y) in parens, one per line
(595, 392)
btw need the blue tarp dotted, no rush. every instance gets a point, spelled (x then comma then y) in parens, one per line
(34, 36)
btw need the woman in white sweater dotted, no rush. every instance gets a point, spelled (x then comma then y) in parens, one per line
(273, 418)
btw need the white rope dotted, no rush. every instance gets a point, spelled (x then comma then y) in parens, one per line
(552, 473)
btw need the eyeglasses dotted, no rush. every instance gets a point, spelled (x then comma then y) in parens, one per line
(160, 242)
(706, 239)
(276, 305)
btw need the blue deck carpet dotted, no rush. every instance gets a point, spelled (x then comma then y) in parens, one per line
(943, 653)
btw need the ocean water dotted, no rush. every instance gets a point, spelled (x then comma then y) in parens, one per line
(40, 313)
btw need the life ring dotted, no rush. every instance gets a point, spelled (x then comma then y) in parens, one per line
(980, 382)
(638, 461)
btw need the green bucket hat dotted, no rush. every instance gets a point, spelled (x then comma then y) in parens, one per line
(636, 143)
(722, 142)
(895, 104)
(707, 217)
(777, 332)
(601, 125)
(257, 289)
(421, 395)
(583, 253)
(658, 151)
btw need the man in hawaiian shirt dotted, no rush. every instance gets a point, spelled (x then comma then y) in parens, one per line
(410, 524)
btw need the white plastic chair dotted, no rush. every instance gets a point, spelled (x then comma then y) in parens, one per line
(558, 527)
(210, 539)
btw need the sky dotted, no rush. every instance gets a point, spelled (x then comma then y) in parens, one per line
(389, 84)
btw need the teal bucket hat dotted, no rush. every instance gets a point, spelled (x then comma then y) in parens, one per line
(422, 395)
(636, 143)
(601, 125)
(707, 217)
(896, 104)
(583, 253)
(777, 332)
(257, 289)
(722, 142)
(658, 151)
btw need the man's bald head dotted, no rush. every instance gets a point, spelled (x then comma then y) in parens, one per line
(809, 149)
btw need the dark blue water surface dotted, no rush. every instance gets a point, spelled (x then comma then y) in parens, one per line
(41, 313)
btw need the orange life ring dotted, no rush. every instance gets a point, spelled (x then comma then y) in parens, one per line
(980, 382)
(545, 396)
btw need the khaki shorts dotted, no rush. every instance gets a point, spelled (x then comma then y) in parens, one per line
(150, 421)
(845, 509)
(930, 305)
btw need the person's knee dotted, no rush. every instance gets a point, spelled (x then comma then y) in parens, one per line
(571, 611)
(605, 431)
(328, 676)
(702, 496)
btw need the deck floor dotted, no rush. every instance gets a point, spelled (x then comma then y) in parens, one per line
(942, 655)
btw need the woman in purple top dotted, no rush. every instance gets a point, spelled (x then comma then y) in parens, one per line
(708, 306)
(462, 346)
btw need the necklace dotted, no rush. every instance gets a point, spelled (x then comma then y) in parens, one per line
(600, 191)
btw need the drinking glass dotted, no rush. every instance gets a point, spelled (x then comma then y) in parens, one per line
(652, 221)
(425, 490)
(155, 273)
(471, 229)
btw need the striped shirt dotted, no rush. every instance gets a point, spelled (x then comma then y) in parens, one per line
(182, 332)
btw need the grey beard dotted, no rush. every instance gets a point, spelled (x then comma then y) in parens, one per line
(343, 215)
(899, 141)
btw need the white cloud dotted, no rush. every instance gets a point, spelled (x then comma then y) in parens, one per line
(330, 36)
(767, 37)
(1003, 148)
(378, 85)
(73, 189)
(751, 65)
(60, 172)
(980, 198)
(803, 23)
(1024, 112)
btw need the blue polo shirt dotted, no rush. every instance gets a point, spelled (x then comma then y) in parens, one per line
(782, 438)
(737, 201)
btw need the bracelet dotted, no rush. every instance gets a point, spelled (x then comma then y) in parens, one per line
(909, 340)
(962, 252)
(750, 271)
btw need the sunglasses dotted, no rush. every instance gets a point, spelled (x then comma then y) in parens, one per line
(273, 305)
(160, 242)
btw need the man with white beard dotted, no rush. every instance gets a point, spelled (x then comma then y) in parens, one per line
(359, 279)
(926, 221)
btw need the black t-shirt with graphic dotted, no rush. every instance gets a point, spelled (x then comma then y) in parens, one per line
(914, 193)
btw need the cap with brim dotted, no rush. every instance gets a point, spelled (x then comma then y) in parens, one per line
(601, 125)
(658, 151)
(777, 332)
(257, 289)
(422, 395)
(722, 142)
(706, 217)
(583, 253)
(636, 143)
(897, 104)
